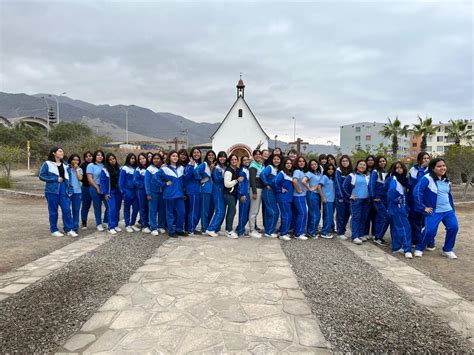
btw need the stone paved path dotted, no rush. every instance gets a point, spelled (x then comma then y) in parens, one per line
(15, 281)
(206, 295)
(451, 307)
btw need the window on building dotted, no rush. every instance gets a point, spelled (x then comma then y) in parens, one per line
(429, 139)
(429, 148)
(440, 129)
(469, 127)
(414, 145)
(440, 148)
(240, 112)
(357, 138)
(357, 129)
(440, 139)
(368, 138)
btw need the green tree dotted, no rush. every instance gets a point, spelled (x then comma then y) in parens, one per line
(458, 131)
(8, 156)
(424, 129)
(392, 130)
(460, 162)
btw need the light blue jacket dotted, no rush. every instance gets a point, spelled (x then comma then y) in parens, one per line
(152, 183)
(49, 173)
(201, 172)
(426, 194)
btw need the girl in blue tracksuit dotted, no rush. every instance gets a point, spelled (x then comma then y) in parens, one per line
(343, 205)
(327, 191)
(416, 218)
(400, 230)
(243, 194)
(356, 186)
(312, 179)
(267, 176)
(93, 172)
(110, 189)
(86, 196)
(129, 193)
(75, 190)
(370, 225)
(171, 176)
(284, 192)
(139, 182)
(299, 198)
(218, 194)
(154, 194)
(203, 172)
(378, 196)
(55, 173)
(192, 186)
(433, 198)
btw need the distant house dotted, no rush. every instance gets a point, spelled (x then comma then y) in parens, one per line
(239, 132)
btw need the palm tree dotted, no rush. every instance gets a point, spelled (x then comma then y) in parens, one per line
(458, 131)
(393, 130)
(424, 129)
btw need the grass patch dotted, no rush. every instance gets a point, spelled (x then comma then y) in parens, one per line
(5, 182)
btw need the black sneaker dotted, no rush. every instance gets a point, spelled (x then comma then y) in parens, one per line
(380, 242)
(431, 247)
(182, 234)
(173, 235)
(312, 236)
(198, 232)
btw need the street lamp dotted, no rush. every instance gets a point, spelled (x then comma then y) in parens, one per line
(126, 124)
(47, 111)
(276, 136)
(294, 129)
(57, 105)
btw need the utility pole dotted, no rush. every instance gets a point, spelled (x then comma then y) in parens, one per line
(276, 136)
(126, 125)
(28, 153)
(294, 129)
(55, 97)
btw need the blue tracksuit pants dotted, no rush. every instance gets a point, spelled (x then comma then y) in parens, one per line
(143, 203)
(193, 211)
(314, 213)
(416, 222)
(328, 218)
(76, 200)
(343, 212)
(270, 212)
(244, 208)
(86, 204)
(400, 232)
(130, 202)
(219, 212)
(301, 215)
(369, 227)
(432, 222)
(54, 202)
(97, 200)
(382, 219)
(113, 208)
(360, 215)
(175, 206)
(286, 214)
(153, 211)
(207, 210)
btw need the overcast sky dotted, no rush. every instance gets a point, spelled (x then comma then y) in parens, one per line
(327, 63)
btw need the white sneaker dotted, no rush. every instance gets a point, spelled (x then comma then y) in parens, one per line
(146, 230)
(342, 237)
(273, 235)
(118, 229)
(129, 229)
(364, 238)
(136, 229)
(231, 235)
(449, 254)
(327, 236)
(357, 241)
(399, 251)
(155, 232)
(255, 234)
(301, 237)
(408, 255)
(212, 234)
(72, 234)
(418, 253)
(161, 230)
(285, 237)
(100, 228)
(84, 227)
(57, 234)
(112, 231)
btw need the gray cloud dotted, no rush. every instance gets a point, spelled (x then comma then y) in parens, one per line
(327, 63)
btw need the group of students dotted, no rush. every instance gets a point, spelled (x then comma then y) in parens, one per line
(174, 192)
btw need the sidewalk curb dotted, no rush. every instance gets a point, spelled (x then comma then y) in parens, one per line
(21, 193)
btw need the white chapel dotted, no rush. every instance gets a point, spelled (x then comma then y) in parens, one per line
(239, 132)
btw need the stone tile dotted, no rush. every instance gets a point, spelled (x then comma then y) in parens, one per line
(78, 341)
(235, 342)
(98, 320)
(131, 319)
(13, 288)
(199, 339)
(107, 341)
(116, 303)
(309, 333)
(276, 328)
(256, 311)
(296, 307)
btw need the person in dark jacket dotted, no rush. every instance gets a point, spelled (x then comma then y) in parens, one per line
(86, 196)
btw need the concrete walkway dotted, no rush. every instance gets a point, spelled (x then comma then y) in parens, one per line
(206, 295)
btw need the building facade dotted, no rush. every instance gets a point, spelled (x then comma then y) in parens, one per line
(367, 136)
(438, 143)
(240, 132)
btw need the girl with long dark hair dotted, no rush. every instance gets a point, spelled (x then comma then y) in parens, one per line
(218, 194)
(110, 189)
(203, 173)
(86, 196)
(343, 205)
(54, 172)
(231, 181)
(400, 230)
(284, 192)
(129, 193)
(269, 196)
(369, 229)
(139, 182)
(313, 199)
(299, 198)
(327, 191)
(93, 171)
(154, 194)
(434, 199)
(75, 190)
(255, 169)
(192, 186)
(243, 195)
(378, 196)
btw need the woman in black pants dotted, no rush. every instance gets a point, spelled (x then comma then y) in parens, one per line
(231, 179)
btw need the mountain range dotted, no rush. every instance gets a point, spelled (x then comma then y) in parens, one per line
(144, 124)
